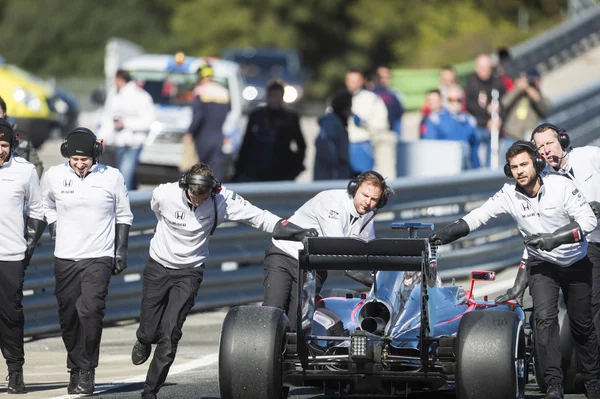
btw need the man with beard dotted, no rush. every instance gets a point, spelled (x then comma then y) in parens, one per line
(87, 207)
(265, 154)
(554, 218)
(19, 184)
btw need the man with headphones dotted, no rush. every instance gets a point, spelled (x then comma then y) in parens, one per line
(87, 207)
(188, 213)
(554, 218)
(19, 184)
(582, 166)
(332, 213)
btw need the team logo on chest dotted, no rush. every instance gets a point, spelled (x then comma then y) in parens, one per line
(179, 215)
(526, 206)
(67, 183)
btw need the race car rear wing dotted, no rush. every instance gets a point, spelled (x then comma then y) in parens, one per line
(388, 254)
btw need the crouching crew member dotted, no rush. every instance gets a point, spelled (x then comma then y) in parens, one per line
(87, 207)
(188, 213)
(19, 184)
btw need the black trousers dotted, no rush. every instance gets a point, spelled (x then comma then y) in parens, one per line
(12, 319)
(545, 279)
(81, 289)
(281, 282)
(594, 255)
(168, 295)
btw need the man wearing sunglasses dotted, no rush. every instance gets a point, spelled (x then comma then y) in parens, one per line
(452, 123)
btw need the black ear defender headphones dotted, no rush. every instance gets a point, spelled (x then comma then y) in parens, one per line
(356, 182)
(539, 163)
(96, 151)
(563, 138)
(186, 179)
(14, 142)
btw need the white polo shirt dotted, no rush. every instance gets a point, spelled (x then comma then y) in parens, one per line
(332, 214)
(19, 192)
(558, 203)
(583, 167)
(85, 210)
(182, 233)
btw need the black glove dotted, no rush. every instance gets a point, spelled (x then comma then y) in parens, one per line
(285, 230)
(52, 230)
(121, 244)
(568, 234)
(452, 232)
(518, 288)
(35, 229)
(595, 205)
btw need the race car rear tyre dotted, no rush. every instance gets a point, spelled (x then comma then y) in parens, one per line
(253, 341)
(490, 356)
(567, 350)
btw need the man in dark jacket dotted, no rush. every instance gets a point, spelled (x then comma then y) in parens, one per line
(265, 154)
(332, 159)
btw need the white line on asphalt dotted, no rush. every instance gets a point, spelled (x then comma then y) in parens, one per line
(182, 368)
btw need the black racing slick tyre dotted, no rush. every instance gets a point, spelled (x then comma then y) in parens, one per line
(253, 340)
(490, 356)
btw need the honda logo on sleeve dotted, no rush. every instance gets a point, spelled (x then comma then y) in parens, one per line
(179, 215)
(67, 183)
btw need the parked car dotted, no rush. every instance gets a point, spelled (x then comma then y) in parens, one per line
(261, 65)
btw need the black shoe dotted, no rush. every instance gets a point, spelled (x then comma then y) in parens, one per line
(592, 389)
(140, 353)
(148, 395)
(86, 382)
(73, 381)
(15, 382)
(555, 391)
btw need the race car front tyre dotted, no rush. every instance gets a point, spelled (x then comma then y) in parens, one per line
(490, 356)
(251, 350)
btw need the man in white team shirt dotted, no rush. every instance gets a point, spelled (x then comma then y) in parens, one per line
(333, 213)
(554, 218)
(19, 185)
(582, 166)
(188, 213)
(87, 207)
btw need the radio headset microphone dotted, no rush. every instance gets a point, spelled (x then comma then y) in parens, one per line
(558, 159)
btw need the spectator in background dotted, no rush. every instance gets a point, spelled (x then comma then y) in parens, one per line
(265, 154)
(210, 107)
(503, 58)
(332, 159)
(452, 123)
(369, 123)
(433, 105)
(447, 79)
(126, 124)
(391, 99)
(524, 108)
(480, 86)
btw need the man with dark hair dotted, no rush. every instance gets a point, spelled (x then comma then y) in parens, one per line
(188, 213)
(126, 124)
(87, 207)
(332, 158)
(333, 213)
(209, 110)
(19, 185)
(554, 218)
(265, 154)
(25, 149)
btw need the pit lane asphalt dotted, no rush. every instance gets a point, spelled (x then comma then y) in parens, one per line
(194, 373)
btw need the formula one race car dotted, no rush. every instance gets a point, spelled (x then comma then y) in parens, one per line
(408, 334)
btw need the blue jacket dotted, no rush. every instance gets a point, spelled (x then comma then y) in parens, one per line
(332, 159)
(444, 125)
(393, 105)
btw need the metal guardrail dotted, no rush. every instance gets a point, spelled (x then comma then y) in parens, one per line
(558, 45)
